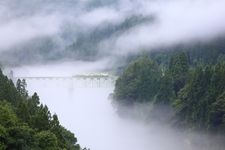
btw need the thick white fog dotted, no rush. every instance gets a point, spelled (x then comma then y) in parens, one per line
(88, 112)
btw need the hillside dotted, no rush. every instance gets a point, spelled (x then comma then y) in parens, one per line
(27, 124)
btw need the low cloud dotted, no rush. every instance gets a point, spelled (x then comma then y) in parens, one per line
(107, 26)
(17, 31)
(99, 16)
(176, 22)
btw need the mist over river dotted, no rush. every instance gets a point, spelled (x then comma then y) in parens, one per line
(88, 112)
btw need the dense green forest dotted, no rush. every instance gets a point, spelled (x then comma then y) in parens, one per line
(25, 124)
(192, 86)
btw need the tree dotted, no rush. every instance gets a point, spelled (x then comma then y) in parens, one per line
(8, 91)
(217, 114)
(69, 139)
(33, 104)
(47, 140)
(192, 103)
(66, 139)
(138, 83)
(35, 99)
(165, 94)
(178, 68)
(22, 111)
(3, 137)
(8, 117)
(21, 138)
(25, 123)
(41, 119)
(21, 87)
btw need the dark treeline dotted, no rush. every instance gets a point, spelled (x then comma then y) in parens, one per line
(197, 52)
(193, 87)
(26, 124)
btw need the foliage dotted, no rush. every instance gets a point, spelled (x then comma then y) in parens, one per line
(195, 92)
(47, 140)
(178, 67)
(21, 137)
(8, 117)
(217, 114)
(138, 83)
(26, 124)
(165, 93)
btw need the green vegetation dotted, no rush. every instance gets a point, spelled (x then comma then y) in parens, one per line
(138, 83)
(25, 124)
(195, 92)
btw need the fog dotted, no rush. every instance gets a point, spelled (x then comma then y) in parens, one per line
(62, 34)
(108, 28)
(89, 113)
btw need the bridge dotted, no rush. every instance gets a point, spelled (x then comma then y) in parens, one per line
(85, 80)
(91, 76)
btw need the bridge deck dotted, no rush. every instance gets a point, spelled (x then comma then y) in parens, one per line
(69, 77)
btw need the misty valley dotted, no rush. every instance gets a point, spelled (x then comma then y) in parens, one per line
(112, 75)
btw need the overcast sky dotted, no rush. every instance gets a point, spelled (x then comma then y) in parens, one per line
(175, 21)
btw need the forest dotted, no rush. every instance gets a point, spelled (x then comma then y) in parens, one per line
(27, 124)
(189, 89)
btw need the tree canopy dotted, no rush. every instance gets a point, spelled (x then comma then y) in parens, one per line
(26, 124)
(196, 93)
